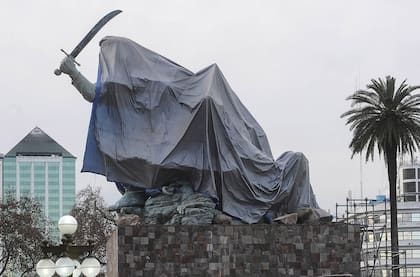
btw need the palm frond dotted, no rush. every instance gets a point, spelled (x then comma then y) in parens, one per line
(384, 115)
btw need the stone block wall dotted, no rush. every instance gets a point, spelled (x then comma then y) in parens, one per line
(234, 250)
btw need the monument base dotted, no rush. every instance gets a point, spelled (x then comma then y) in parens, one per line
(234, 250)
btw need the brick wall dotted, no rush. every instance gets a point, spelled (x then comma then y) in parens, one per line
(234, 250)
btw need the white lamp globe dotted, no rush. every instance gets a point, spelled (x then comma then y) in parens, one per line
(90, 267)
(67, 225)
(64, 266)
(45, 268)
(77, 271)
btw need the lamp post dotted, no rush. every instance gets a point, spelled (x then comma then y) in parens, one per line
(67, 253)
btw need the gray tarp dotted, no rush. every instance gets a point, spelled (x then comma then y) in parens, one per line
(158, 123)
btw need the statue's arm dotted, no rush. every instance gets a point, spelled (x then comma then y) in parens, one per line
(83, 85)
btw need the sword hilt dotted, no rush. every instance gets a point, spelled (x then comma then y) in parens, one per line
(58, 71)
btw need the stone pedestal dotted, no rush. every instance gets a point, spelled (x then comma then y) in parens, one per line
(234, 250)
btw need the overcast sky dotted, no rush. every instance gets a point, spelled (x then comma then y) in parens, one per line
(292, 63)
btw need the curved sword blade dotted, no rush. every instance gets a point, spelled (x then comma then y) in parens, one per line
(88, 37)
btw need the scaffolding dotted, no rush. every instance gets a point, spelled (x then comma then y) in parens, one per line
(376, 255)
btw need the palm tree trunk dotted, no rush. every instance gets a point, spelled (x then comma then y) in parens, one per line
(391, 157)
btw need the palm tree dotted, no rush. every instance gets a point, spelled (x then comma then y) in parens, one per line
(389, 120)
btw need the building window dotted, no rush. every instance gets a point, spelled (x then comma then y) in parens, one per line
(406, 272)
(416, 271)
(404, 235)
(415, 254)
(415, 217)
(382, 219)
(386, 273)
(415, 235)
(406, 218)
(410, 191)
(409, 173)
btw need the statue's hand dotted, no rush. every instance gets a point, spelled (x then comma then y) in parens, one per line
(67, 66)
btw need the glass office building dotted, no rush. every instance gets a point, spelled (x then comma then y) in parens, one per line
(40, 168)
(374, 218)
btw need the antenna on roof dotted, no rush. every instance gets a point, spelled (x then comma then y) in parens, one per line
(361, 177)
(357, 84)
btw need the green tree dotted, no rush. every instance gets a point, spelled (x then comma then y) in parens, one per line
(22, 229)
(94, 221)
(388, 119)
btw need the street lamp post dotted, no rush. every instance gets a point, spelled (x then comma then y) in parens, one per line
(67, 253)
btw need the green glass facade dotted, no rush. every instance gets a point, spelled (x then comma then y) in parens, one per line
(53, 191)
(25, 178)
(40, 168)
(39, 182)
(69, 173)
(9, 176)
(50, 180)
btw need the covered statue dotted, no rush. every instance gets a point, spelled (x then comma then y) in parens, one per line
(155, 123)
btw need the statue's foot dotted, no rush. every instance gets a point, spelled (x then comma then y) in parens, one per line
(132, 210)
(129, 199)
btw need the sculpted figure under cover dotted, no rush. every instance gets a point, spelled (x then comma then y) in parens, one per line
(156, 123)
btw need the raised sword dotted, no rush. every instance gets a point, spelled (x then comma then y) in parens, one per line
(88, 37)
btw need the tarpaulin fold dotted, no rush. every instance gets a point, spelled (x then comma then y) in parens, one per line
(154, 123)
